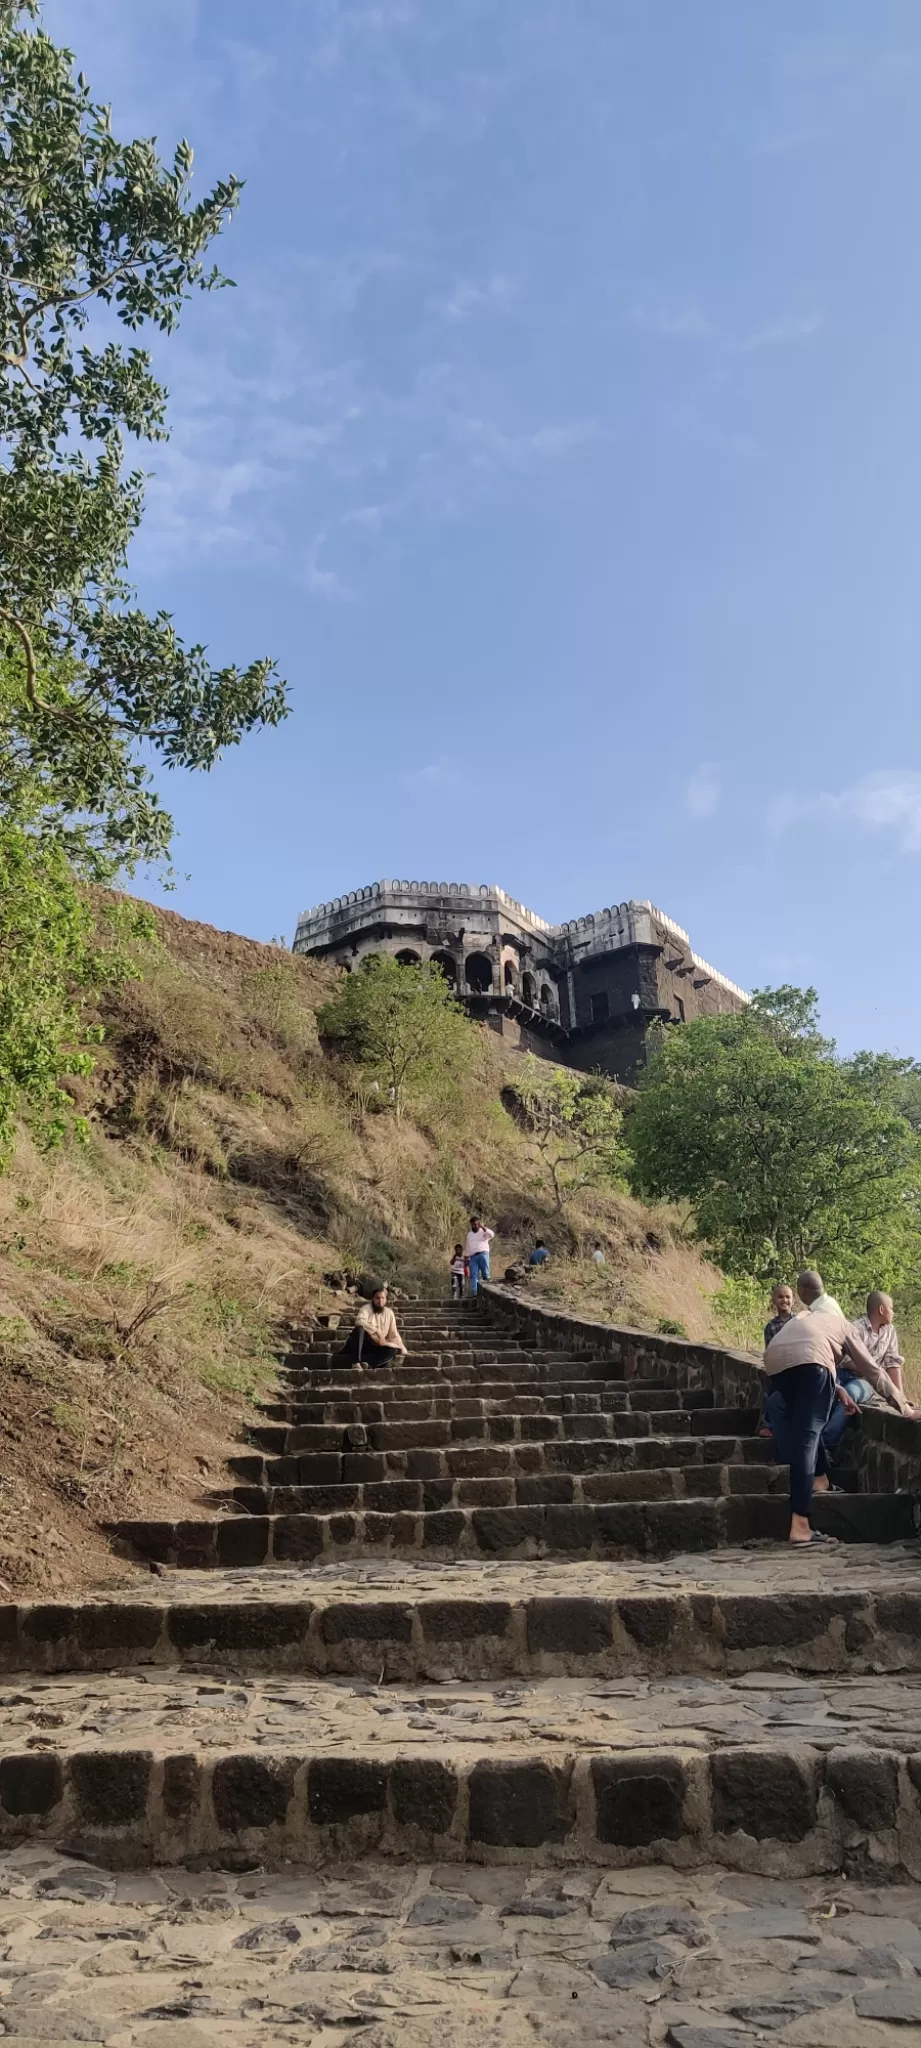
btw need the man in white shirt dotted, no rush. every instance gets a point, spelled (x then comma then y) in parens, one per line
(476, 1248)
(878, 1333)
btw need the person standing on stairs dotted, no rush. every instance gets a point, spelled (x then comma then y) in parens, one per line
(375, 1339)
(801, 1362)
(458, 1273)
(477, 1246)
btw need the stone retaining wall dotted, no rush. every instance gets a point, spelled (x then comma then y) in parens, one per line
(888, 1452)
(638, 1354)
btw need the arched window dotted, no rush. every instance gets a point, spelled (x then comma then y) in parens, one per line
(408, 958)
(546, 997)
(448, 966)
(510, 978)
(478, 973)
(528, 990)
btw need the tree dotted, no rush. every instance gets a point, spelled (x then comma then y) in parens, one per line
(54, 953)
(576, 1124)
(403, 1026)
(788, 1155)
(93, 233)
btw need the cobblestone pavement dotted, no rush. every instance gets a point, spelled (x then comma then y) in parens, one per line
(160, 1710)
(415, 1956)
(761, 1568)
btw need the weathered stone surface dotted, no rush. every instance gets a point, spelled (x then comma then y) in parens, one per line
(574, 1627)
(339, 1788)
(30, 1784)
(639, 1799)
(520, 1806)
(767, 1796)
(248, 1793)
(423, 1794)
(110, 1788)
(867, 1787)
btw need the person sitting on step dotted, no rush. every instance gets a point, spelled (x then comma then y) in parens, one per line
(874, 1334)
(878, 1333)
(375, 1339)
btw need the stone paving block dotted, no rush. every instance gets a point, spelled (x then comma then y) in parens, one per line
(340, 1788)
(867, 1786)
(110, 1789)
(30, 1784)
(424, 1794)
(574, 1628)
(769, 1795)
(248, 1792)
(639, 1800)
(519, 1805)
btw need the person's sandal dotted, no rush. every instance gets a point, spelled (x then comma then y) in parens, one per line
(805, 1542)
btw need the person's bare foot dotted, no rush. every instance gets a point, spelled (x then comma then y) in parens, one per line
(822, 1484)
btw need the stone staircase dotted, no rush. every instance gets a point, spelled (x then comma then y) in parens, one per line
(524, 1600)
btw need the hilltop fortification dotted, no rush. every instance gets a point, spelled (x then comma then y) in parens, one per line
(584, 992)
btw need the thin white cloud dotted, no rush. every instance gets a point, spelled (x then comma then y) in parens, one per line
(321, 581)
(670, 323)
(790, 330)
(468, 298)
(887, 801)
(702, 795)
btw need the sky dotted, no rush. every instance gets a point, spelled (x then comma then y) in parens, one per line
(561, 440)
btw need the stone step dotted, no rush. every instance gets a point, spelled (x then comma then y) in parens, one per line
(436, 1406)
(494, 1461)
(615, 1529)
(713, 1616)
(280, 1439)
(397, 1496)
(526, 1373)
(539, 1772)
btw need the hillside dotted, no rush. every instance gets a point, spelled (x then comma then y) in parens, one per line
(230, 1166)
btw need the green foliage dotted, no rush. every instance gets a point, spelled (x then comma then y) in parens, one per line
(403, 1028)
(668, 1327)
(788, 1155)
(576, 1125)
(92, 228)
(53, 954)
(742, 1310)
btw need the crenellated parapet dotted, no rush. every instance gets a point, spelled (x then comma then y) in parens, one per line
(590, 986)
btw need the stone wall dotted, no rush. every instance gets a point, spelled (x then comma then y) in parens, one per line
(888, 1452)
(734, 1376)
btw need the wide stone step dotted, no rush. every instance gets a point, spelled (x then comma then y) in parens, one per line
(616, 1529)
(430, 1496)
(454, 1372)
(724, 1615)
(357, 1406)
(280, 1438)
(491, 1461)
(309, 1773)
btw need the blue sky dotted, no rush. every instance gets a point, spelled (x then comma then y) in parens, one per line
(562, 440)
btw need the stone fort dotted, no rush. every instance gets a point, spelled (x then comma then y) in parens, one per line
(583, 993)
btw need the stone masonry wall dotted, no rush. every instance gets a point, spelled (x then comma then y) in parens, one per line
(638, 1354)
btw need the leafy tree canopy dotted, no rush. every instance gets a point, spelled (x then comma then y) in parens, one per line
(788, 1155)
(576, 1124)
(96, 237)
(403, 1026)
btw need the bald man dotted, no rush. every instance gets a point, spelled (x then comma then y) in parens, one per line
(878, 1332)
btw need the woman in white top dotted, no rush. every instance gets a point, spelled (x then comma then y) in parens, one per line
(375, 1339)
(476, 1248)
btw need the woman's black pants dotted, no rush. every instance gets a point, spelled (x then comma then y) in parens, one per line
(808, 1395)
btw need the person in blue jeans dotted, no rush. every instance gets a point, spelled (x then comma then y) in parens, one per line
(801, 1362)
(476, 1249)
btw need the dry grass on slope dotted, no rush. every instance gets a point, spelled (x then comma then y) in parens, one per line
(146, 1277)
